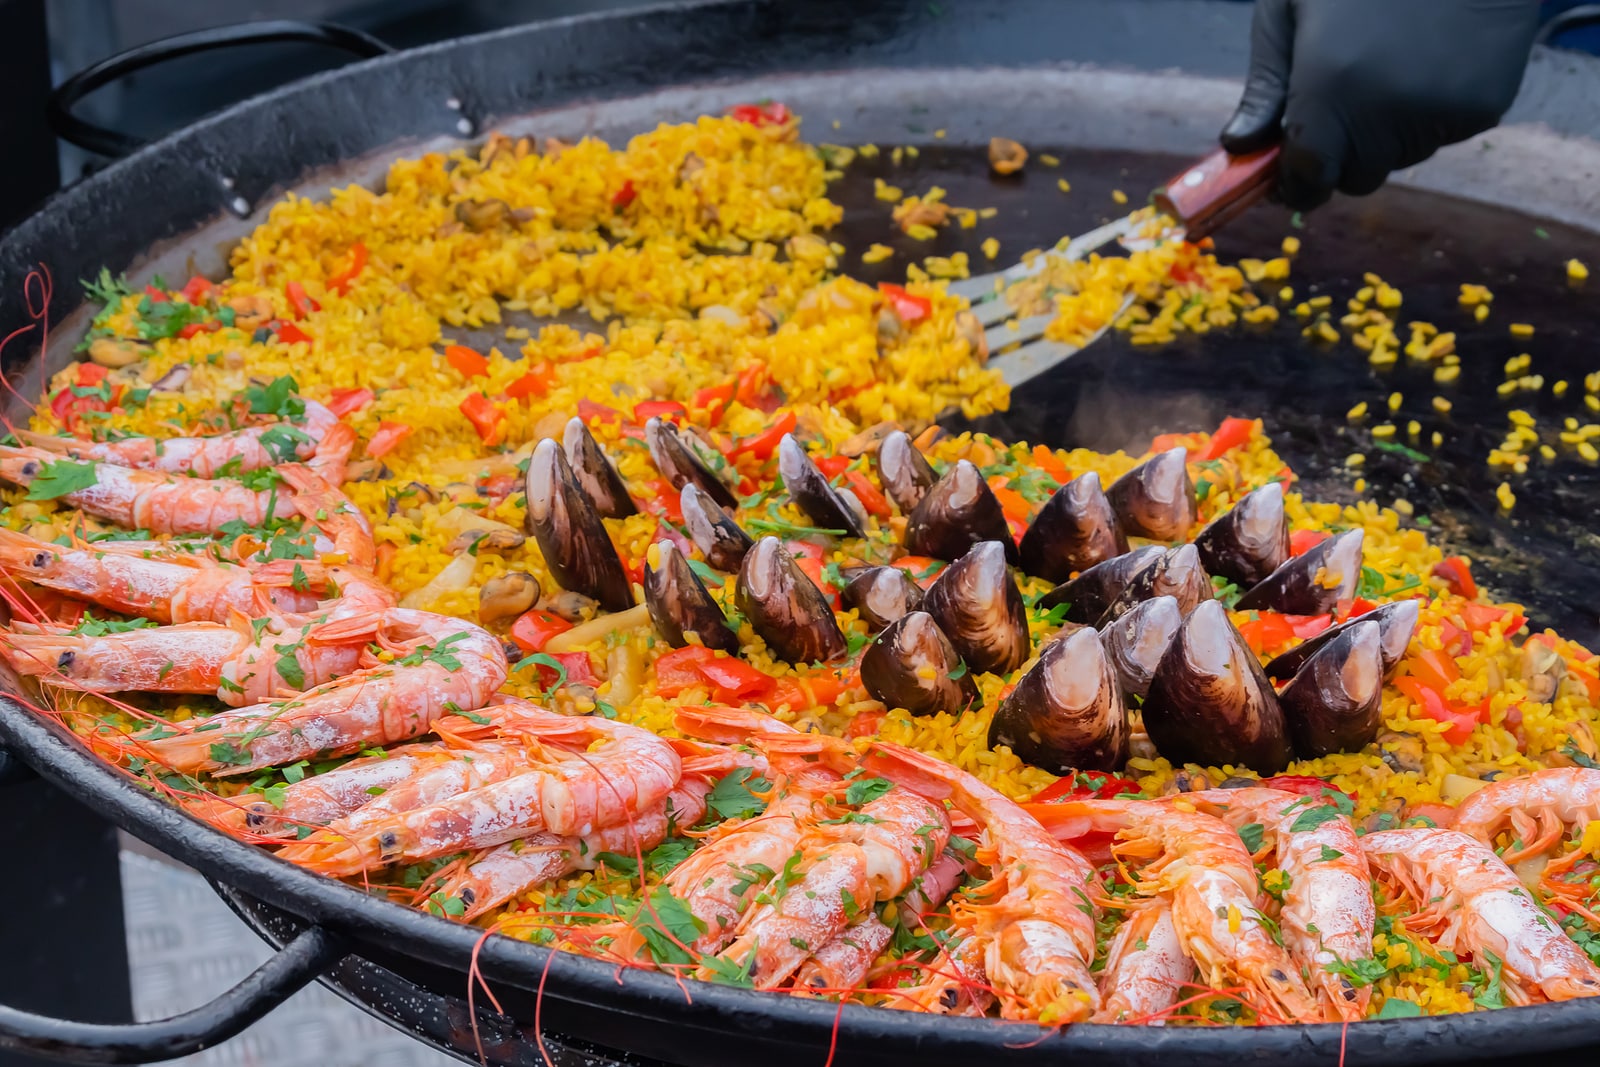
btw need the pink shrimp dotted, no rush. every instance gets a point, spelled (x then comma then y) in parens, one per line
(1145, 967)
(842, 964)
(1538, 807)
(319, 799)
(956, 982)
(319, 501)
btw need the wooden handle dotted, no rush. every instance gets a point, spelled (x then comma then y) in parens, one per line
(1218, 188)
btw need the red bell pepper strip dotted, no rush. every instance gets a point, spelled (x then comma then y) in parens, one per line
(1046, 460)
(156, 294)
(924, 570)
(484, 416)
(536, 382)
(625, 195)
(770, 113)
(533, 629)
(576, 665)
(664, 501)
(1232, 434)
(735, 681)
(1267, 631)
(301, 304)
(870, 496)
(290, 334)
(1013, 503)
(714, 399)
(1458, 721)
(812, 691)
(1457, 574)
(470, 363)
(1433, 667)
(832, 466)
(1081, 785)
(645, 410)
(344, 401)
(680, 669)
(909, 307)
(198, 328)
(763, 444)
(340, 283)
(589, 412)
(1303, 784)
(1480, 617)
(1306, 627)
(1303, 541)
(388, 437)
(91, 375)
(196, 289)
(752, 385)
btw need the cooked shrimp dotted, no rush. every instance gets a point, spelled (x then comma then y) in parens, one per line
(842, 964)
(956, 983)
(1475, 904)
(1145, 967)
(319, 799)
(319, 501)
(1537, 807)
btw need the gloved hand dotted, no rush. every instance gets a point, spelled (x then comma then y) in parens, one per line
(1356, 89)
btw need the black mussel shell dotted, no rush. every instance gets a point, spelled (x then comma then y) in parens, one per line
(905, 472)
(808, 488)
(1136, 641)
(679, 464)
(1177, 574)
(958, 512)
(1249, 541)
(785, 607)
(1209, 703)
(712, 529)
(1066, 713)
(1089, 594)
(1396, 621)
(912, 665)
(881, 595)
(571, 536)
(1075, 530)
(1156, 498)
(1335, 703)
(679, 604)
(595, 473)
(977, 604)
(1313, 582)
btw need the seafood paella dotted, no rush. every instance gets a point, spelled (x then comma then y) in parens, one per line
(692, 642)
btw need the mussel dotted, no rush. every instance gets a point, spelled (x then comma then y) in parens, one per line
(1066, 713)
(905, 472)
(1335, 703)
(1313, 582)
(1156, 498)
(881, 595)
(1074, 530)
(912, 665)
(1209, 703)
(1089, 594)
(1396, 621)
(680, 605)
(1136, 642)
(808, 488)
(680, 464)
(785, 607)
(712, 529)
(571, 537)
(1177, 574)
(959, 511)
(1249, 541)
(594, 472)
(977, 604)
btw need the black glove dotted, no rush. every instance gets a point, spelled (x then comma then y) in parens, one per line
(1356, 89)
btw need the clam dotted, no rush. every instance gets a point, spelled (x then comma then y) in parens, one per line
(679, 605)
(1066, 713)
(1334, 704)
(595, 472)
(571, 536)
(680, 464)
(1311, 583)
(1209, 703)
(1177, 574)
(1249, 541)
(882, 595)
(1089, 594)
(1074, 530)
(978, 606)
(905, 472)
(1136, 641)
(808, 488)
(959, 511)
(1396, 622)
(912, 665)
(785, 607)
(712, 529)
(1156, 498)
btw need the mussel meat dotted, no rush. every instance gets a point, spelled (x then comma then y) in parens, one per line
(1066, 713)
(1177, 574)
(571, 537)
(977, 604)
(959, 511)
(785, 607)
(712, 529)
(912, 665)
(1136, 642)
(1156, 498)
(1335, 703)
(829, 508)
(680, 605)
(881, 595)
(679, 464)
(595, 473)
(1074, 530)
(1209, 703)
(905, 472)
(1089, 594)
(1396, 621)
(1249, 541)
(1313, 582)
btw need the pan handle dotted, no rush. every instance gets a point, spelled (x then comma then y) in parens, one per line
(106, 142)
(294, 966)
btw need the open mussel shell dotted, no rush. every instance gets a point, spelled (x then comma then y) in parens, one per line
(1177, 574)
(595, 473)
(785, 607)
(1136, 641)
(905, 472)
(1311, 583)
(808, 488)
(1397, 621)
(1209, 703)
(912, 665)
(1074, 530)
(959, 511)
(881, 595)
(572, 539)
(1250, 540)
(1066, 713)
(680, 605)
(712, 529)
(977, 604)
(1156, 498)
(679, 464)
(1335, 703)
(1089, 594)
